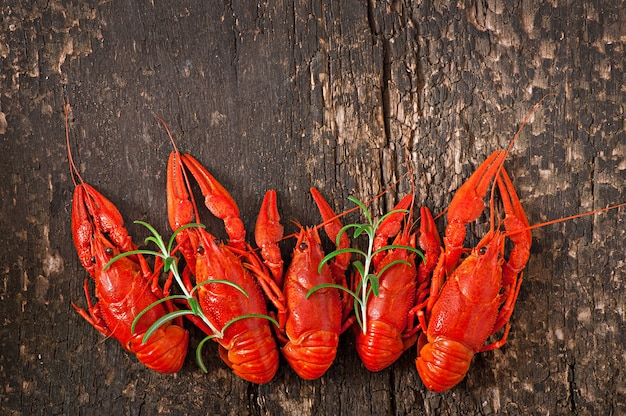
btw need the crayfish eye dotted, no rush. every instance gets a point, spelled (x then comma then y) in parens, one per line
(108, 251)
(303, 246)
(482, 251)
(93, 259)
(200, 250)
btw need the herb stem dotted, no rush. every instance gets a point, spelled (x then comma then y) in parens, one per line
(365, 283)
(370, 280)
(174, 268)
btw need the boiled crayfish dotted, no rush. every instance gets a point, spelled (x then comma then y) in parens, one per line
(390, 328)
(247, 345)
(472, 298)
(126, 287)
(478, 295)
(309, 326)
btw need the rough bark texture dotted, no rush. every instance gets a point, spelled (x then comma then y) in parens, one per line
(343, 96)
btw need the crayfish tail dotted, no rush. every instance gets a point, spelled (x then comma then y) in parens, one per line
(165, 350)
(312, 357)
(443, 364)
(253, 356)
(381, 346)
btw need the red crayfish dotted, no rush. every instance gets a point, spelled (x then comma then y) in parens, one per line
(309, 326)
(247, 345)
(127, 286)
(389, 328)
(472, 298)
(461, 297)
(480, 291)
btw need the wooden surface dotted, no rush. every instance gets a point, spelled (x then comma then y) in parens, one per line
(326, 94)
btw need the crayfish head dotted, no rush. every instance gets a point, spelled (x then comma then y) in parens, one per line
(308, 247)
(207, 253)
(306, 257)
(102, 249)
(479, 275)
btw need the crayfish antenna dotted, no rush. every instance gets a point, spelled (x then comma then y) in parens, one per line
(508, 150)
(74, 173)
(526, 120)
(571, 217)
(409, 172)
(167, 129)
(356, 208)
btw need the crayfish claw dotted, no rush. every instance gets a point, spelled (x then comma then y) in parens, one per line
(267, 233)
(219, 201)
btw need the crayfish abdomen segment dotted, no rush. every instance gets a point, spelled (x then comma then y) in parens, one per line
(443, 363)
(165, 350)
(382, 345)
(252, 354)
(313, 354)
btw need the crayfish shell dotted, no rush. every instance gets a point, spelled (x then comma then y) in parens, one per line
(165, 350)
(442, 364)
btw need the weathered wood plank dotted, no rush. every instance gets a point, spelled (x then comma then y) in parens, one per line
(328, 94)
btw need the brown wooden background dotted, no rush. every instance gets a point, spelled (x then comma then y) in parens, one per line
(275, 94)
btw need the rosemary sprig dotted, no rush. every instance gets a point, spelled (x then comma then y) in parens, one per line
(369, 282)
(170, 264)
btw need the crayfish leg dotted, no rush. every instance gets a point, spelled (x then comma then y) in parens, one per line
(499, 343)
(269, 287)
(92, 315)
(511, 292)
